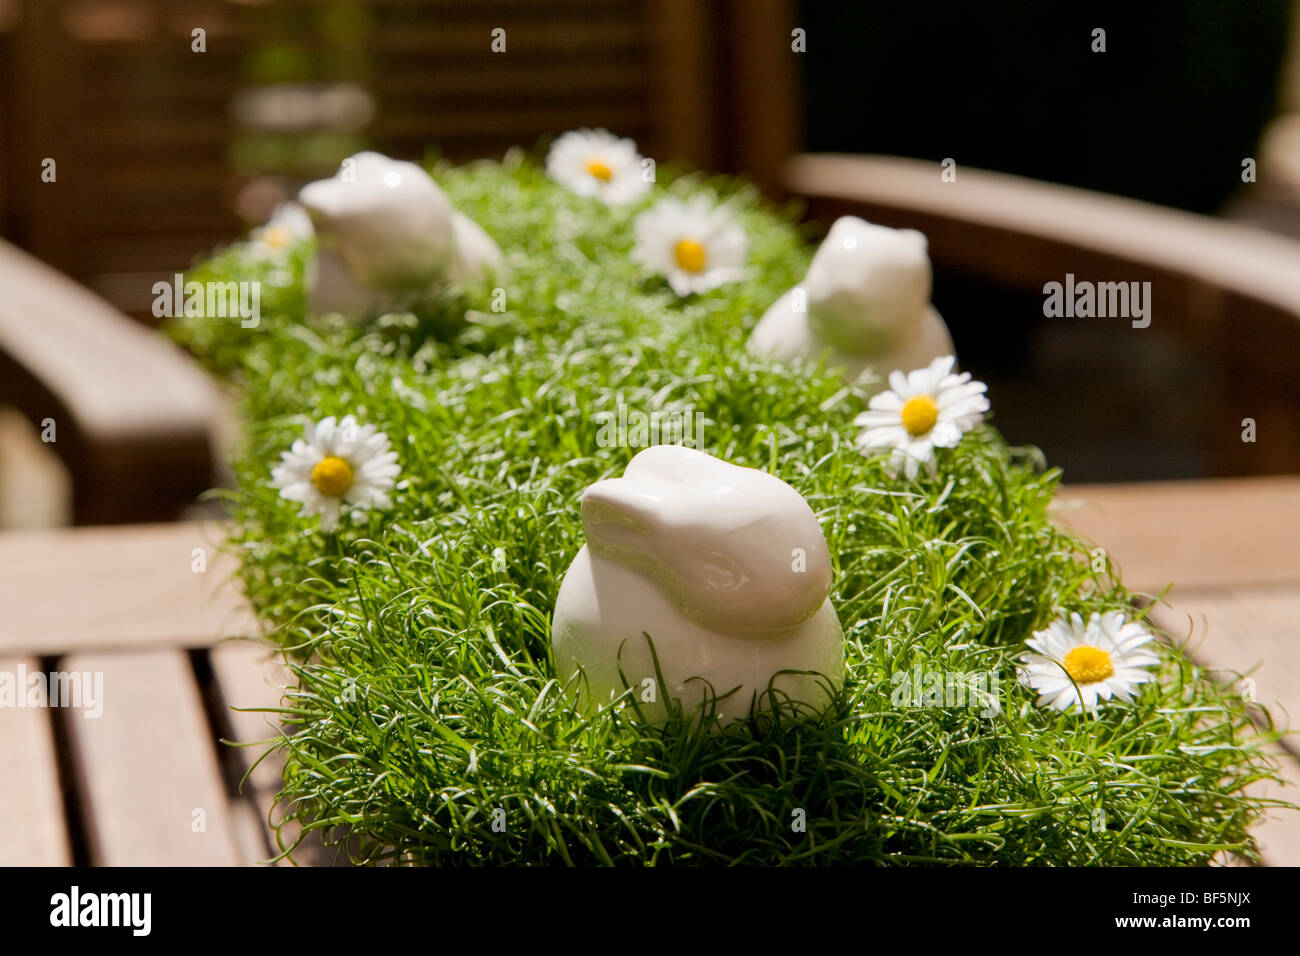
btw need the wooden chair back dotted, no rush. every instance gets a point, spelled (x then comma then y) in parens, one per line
(1232, 292)
(156, 143)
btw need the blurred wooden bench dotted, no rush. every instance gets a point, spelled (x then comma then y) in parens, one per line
(133, 417)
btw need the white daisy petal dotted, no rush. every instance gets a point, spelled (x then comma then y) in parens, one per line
(299, 491)
(922, 410)
(911, 465)
(324, 437)
(337, 462)
(1105, 656)
(329, 513)
(1065, 699)
(881, 438)
(945, 435)
(885, 402)
(875, 419)
(273, 242)
(937, 372)
(599, 164)
(922, 449)
(695, 245)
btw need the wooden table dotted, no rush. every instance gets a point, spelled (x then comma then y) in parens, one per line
(1232, 549)
(149, 783)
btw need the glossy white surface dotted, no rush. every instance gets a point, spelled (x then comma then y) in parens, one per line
(476, 252)
(866, 297)
(724, 567)
(387, 236)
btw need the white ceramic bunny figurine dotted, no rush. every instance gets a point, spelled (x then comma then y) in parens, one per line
(387, 237)
(867, 297)
(724, 567)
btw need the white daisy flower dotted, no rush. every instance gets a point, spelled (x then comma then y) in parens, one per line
(337, 463)
(1073, 664)
(696, 245)
(923, 410)
(595, 162)
(289, 224)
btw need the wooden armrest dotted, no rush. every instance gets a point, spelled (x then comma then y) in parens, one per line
(1231, 290)
(1022, 232)
(132, 414)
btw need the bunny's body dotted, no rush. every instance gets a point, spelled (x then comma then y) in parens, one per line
(724, 568)
(866, 297)
(387, 236)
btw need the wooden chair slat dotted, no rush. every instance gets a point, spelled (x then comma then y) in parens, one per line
(99, 363)
(133, 416)
(1038, 231)
(127, 587)
(1228, 292)
(250, 675)
(33, 831)
(148, 763)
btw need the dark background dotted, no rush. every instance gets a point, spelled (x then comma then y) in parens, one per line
(1182, 93)
(164, 153)
(1166, 114)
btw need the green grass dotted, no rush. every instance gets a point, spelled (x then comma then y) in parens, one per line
(426, 695)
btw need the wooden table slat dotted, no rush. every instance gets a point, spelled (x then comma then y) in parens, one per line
(1278, 834)
(251, 675)
(113, 587)
(32, 828)
(1193, 534)
(147, 763)
(1228, 547)
(1254, 632)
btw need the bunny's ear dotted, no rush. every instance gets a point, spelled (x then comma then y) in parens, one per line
(673, 463)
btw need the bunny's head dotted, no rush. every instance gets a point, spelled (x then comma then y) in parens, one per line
(868, 286)
(386, 219)
(736, 549)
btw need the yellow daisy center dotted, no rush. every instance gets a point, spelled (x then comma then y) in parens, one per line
(277, 237)
(600, 170)
(919, 414)
(1087, 665)
(332, 476)
(690, 255)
